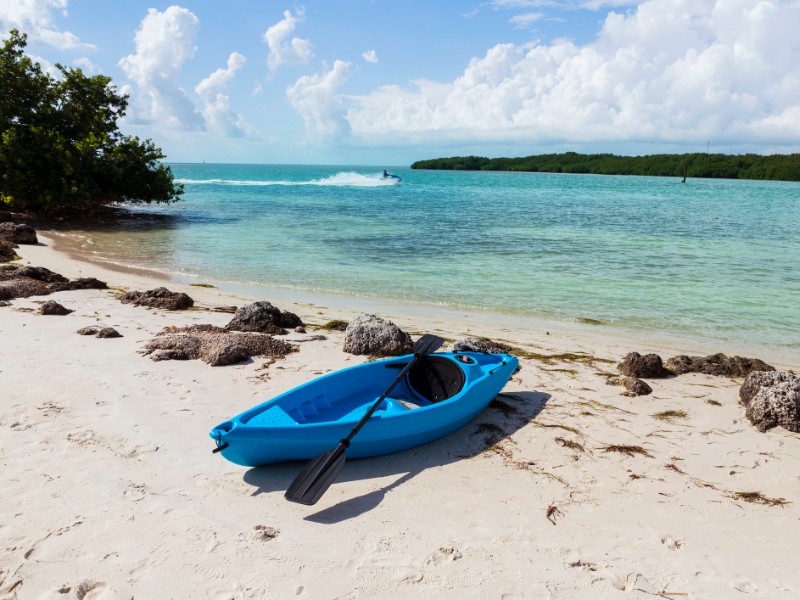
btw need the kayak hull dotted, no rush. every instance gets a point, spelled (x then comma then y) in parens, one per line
(312, 418)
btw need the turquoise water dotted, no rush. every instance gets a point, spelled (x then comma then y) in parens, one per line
(711, 259)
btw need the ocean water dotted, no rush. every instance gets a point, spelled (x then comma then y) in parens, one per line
(713, 260)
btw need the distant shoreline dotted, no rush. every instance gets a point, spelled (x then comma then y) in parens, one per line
(775, 167)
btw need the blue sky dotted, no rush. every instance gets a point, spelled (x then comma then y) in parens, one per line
(390, 82)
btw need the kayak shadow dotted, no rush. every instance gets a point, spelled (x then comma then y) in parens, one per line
(505, 415)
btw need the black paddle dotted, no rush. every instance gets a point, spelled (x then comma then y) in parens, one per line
(319, 473)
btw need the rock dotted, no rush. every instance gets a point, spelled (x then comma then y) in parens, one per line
(159, 298)
(772, 399)
(213, 345)
(633, 386)
(227, 355)
(82, 283)
(471, 344)
(18, 233)
(5, 303)
(649, 366)
(299, 329)
(40, 274)
(263, 317)
(368, 334)
(91, 330)
(7, 251)
(108, 332)
(51, 307)
(717, 364)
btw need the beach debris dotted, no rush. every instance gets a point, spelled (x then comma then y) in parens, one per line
(648, 366)
(368, 334)
(265, 533)
(18, 233)
(552, 513)
(25, 281)
(213, 345)
(159, 297)
(772, 399)
(473, 344)
(51, 307)
(669, 415)
(627, 450)
(263, 317)
(759, 498)
(335, 325)
(633, 385)
(717, 364)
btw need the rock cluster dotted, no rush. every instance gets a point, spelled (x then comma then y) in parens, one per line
(371, 335)
(717, 364)
(214, 345)
(100, 332)
(25, 281)
(159, 298)
(772, 399)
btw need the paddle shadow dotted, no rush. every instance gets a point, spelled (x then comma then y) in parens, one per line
(505, 415)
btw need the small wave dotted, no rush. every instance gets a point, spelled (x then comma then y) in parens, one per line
(341, 179)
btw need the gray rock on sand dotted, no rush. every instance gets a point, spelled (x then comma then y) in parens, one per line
(717, 364)
(51, 307)
(368, 334)
(632, 385)
(7, 251)
(159, 298)
(648, 366)
(263, 317)
(100, 332)
(26, 281)
(472, 344)
(18, 233)
(772, 399)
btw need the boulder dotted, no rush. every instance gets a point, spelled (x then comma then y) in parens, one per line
(51, 307)
(649, 366)
(472, 344)
(159, 298)
(40, 274)
(772, 399)
(18, 233)
(368, 334)
(82, 283)
(263, 317)
(717, 364)
(7, 251)
(108, 332)
(633, 386)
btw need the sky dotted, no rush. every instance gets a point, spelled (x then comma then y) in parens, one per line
(385, 83)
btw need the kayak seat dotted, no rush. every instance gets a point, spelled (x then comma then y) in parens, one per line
(435, 378)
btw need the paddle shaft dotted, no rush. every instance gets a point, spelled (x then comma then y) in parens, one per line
(376, 404)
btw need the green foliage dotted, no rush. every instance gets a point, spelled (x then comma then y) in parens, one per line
(785, 167)
(60, 146)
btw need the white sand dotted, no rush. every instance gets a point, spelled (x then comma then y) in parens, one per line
(109, 488)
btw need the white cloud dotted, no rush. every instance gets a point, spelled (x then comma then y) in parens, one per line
(285, 51)
(316, 98)
(527, 19)
(217, 110)
(35, 18)
(668, 72)
(86, 65)
(370, 56)
(164, 42)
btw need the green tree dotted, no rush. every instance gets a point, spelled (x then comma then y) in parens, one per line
(60, 146)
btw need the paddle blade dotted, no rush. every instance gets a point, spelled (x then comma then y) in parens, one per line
(316, 477)
(428, 343)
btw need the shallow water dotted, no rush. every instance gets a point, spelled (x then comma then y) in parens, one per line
(713, 260)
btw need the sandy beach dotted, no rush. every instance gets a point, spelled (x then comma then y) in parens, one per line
(110, 489)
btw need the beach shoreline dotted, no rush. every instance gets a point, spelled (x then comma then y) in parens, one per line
(565, 489)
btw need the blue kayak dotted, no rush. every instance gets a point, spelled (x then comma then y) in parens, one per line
(441, 393)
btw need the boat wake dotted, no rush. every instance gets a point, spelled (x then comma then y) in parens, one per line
(342, 179)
